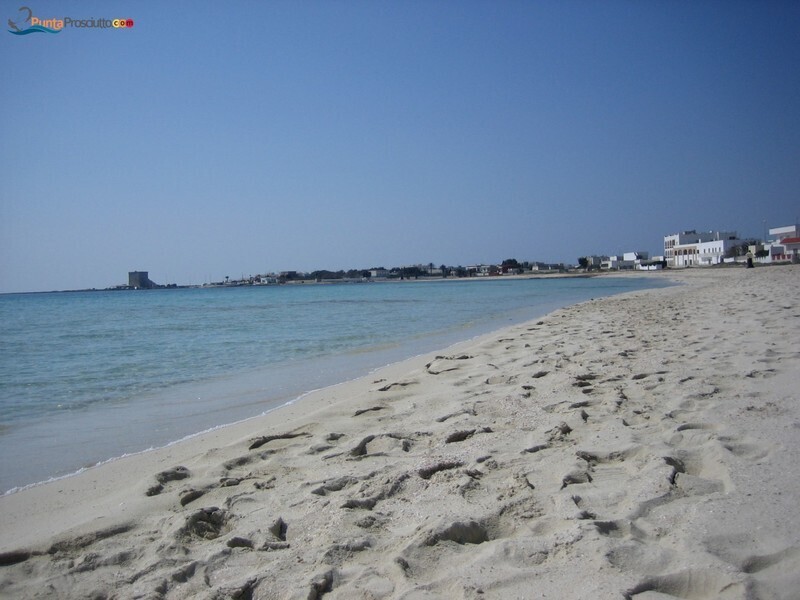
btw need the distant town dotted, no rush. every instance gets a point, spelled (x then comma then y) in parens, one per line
(681, 250)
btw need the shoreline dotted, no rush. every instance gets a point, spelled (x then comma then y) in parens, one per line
(401, 364)
(353, 364)
(581, 437)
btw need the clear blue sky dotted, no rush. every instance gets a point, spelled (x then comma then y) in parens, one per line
(230, 138)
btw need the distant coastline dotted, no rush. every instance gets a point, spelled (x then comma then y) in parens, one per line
(308, 279)
(429, 279)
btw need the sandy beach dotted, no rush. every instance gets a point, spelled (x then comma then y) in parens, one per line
(641, 446)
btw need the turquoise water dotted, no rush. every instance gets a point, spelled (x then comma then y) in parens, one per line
(88, 376)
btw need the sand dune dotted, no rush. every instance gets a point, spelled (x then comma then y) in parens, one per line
(640, 446)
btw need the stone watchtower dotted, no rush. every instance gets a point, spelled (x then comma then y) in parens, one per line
(140, 280)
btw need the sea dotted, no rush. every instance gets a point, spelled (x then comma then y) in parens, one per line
(87, 377)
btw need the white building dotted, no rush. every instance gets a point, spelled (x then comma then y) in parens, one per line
(540, 266)
(780, 233)
(628, 260)
(634, 256)
(482, 270)
(593, 261)
(610, 263)
(792, 248)
(650, 265)
(705, 248)
(783, 244)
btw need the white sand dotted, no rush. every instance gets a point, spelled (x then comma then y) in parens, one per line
(639, 446)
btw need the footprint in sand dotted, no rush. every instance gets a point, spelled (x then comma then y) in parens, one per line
(164, 477)
(204, 524)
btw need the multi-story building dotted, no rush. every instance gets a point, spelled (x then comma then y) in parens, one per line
(691, 248)
(628, 260)
(781, 233)
(783, 245)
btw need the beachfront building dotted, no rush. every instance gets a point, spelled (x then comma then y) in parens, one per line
(691, 248)
(642, 261)
(654, 264)
(627, 261)
(782, 246)
(792, 248)
(782, 233)
(634, 260)
(610, 263)
(594, 261)
(482, 270)
(432, 271)
(547, 267)
(704, 254)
